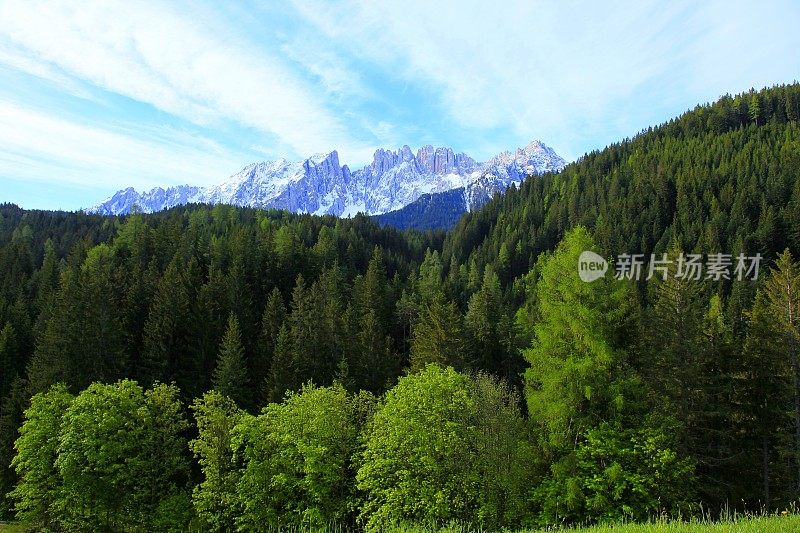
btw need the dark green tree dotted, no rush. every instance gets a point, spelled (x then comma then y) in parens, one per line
(230, 375)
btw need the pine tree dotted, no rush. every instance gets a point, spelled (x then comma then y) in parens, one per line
(55, 358)
(230, 375)
(283, 374)
(47, 277)
(377, 364)
(100, 335)
(272, 321)
(782, 290)
(755, 109)
(673, 362)
(762, 386)
(716, 439)
(438, 336)
(483, 320)
(165, 330)
(374, 363)
(9, 359)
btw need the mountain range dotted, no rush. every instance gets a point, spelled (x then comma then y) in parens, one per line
(321, 185)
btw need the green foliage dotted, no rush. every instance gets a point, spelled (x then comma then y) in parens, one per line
(578, 353)
(39, 494)
(430, 448)
(651, 377)
(120, 454)
(215, 499)
(105, 460)
(618, 474)
(297, 461)
(438, 336)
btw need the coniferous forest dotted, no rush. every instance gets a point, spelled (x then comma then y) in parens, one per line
(229, 369)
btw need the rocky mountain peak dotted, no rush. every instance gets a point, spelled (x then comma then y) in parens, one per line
(320, 184)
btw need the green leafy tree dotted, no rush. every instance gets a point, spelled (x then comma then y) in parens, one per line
(39, 493)
(215, 499)
(431, 453)
(165, 497)
(297, 461)
(415, 458)
(618, 474)
(503, 454)
(120, 456)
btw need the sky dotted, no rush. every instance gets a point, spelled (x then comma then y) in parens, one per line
(97, 96)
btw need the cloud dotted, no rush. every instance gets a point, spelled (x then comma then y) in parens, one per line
(569, 72)
(40, 147)
(199, 70)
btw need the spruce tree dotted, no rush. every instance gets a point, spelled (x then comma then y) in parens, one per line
(763, 386)
(283, 374)
(675, 348)
(483, 320)
(782, 290)
(165, 335)
(230, 375)
(271, 323)
(438, 336)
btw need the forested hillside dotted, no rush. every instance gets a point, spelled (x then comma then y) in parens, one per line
(229, 368)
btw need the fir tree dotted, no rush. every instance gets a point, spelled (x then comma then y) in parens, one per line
(230, 375)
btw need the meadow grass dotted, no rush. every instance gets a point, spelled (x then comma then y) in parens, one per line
(737, 524)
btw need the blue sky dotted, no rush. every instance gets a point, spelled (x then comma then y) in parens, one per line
(96, 96)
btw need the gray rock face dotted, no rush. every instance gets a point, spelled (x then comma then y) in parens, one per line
(322, 185)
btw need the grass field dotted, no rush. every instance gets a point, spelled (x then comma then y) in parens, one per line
(752, 524)
(759, 524)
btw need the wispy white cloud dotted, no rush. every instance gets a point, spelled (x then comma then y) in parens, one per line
(39, 147)
(565, 71)
(199, 70)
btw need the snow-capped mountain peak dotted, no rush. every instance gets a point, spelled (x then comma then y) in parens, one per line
(320, 184)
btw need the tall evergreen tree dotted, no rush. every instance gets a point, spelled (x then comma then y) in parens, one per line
(484, 320)
(438, 336)
(673, 361)
(272, 321)
(55, 358)
(230, 375)
(763, 422)
(782, 290)
(579, 350)
(165, 330)
(100, 337)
